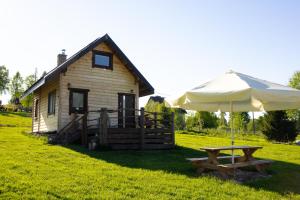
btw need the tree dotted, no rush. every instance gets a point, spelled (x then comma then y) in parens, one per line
(153, 106)
(159, 107)
(222, 120)
(295, 80)
(179, 118)
(16, 87)
(4, 79)
(258, 124)
(295, 114)
(206, 119)
(43, 74)
(191, 122)
(29, 81)
(240, 120)
(277, 127)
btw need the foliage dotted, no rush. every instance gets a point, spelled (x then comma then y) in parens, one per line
(222, 122)
(31, 169)
(11, 107)
(4, 79)
(166, 115)
(191, 122)
(202, 120)
(278, 127)
(207, 119)
(27, 101)
(240, 121)
(295, 114)
(179, 115)
(43, 74)
(157, 107)
(223, 133)
(16, 87)
(153, 106)
(295, 80)
(179, 119)
(258, 125)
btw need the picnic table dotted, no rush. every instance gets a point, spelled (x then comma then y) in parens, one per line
(213, 159)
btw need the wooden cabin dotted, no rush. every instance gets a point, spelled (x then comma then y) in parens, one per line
(99, 80)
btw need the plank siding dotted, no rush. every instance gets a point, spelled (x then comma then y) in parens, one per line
(104, 85)
(35, 121)
(45, 122)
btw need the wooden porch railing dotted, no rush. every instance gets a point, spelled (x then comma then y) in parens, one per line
(144, 130)
(69, 133)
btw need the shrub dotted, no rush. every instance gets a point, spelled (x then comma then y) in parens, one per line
(190, 122)
(179, 119)
(277, 127)
(11, 108)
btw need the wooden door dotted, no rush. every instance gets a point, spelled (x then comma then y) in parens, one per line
(126, 114)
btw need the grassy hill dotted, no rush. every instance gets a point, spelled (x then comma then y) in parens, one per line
(17, 119)
(32, 169)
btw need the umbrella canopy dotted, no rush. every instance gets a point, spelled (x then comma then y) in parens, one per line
(237, 92)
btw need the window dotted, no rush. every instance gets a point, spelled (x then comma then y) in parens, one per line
(102, 59)
(36, 108)
(51, 102)
(78, 101)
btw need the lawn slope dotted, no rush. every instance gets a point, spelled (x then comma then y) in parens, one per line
(32, 169)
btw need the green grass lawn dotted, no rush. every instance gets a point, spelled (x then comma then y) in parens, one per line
(32, 169)
(17, 119)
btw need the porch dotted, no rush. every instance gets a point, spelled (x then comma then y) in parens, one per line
(112, 129)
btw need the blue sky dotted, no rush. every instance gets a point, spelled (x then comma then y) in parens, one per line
(175, 44)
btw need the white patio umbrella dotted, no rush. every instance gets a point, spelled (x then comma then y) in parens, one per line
(236, 92)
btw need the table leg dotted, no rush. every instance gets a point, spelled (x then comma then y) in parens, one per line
(247, 155)
(213, 157)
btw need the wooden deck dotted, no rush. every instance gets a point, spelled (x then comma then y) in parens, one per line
(130, 138)
(146, 132)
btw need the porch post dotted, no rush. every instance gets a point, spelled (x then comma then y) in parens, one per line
(100, 128)
(142, 130)
(84, 136)
(155, 119)
(103, 126)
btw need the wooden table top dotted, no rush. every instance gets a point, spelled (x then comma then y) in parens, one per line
(230, 148)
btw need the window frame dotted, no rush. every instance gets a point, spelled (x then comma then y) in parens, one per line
(85, 100)
(36, 109)
(52, 94)
(102, 53)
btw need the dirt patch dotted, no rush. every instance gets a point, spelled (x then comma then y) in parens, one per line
(240, 176)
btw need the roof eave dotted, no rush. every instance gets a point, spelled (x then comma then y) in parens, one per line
(57, 70)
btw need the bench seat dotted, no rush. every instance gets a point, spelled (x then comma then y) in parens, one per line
(245, 164)
(260, 165)
(206, 158)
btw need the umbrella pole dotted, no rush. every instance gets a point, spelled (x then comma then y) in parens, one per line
(232, 132)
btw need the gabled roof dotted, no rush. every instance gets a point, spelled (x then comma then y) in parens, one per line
(144, 89)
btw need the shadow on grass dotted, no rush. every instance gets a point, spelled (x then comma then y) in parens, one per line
(285, 176)
(20, 114)
(172, 161)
